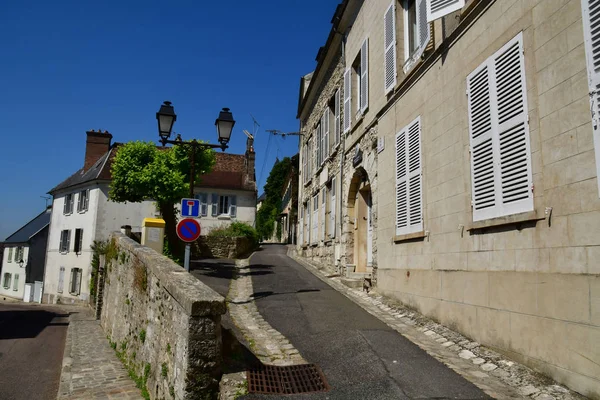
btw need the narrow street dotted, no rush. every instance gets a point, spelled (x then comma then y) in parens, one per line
(32, 342)
(361, 357)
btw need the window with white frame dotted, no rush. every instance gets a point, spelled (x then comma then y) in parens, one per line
(19, 253)
(315, 219)
(10, 254)
(16, 283)
(409, 179)
(323, 214)
(78, 241)
(7, 279)
(224, 205)
(75, 282)
(501, 174)
(332, 204)
(65, 241)
(61, 280)
(68, 206)
(203, 198)
(83, 200)
(416, 32)
(591, 21)
(389, 45)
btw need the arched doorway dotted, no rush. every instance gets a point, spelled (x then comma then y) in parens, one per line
(359, 248)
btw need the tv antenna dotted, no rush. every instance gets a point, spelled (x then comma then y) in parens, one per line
(256, 125)
(46, 198)
(277, 132)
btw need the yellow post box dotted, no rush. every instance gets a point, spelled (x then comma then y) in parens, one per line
(153, 232)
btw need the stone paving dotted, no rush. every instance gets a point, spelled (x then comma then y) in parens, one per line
(91, 369)
(489, 370)
(267, 344)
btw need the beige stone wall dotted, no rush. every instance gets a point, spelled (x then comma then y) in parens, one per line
(532, 289)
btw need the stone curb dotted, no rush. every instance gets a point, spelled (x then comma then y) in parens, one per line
(485, 368)
(267, 344)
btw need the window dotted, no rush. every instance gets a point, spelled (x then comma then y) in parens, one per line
(332, 190)
(307, 160)
(61, 280)
(16, 283)
(319, 146)
(439, 8)
(591, 18)
(83, 201)
(68, 207)
(19, 254)
(335, 111)
(7, 279)
(78, 241)
(323, 212)
(325, 135)
(315, 219)
(361, 78)
(306, 226)
(416, 32)
(409, 181)
(65, 241)
(224, 205)
(499, 135)
(389, 43)
(203, 197)
(10, 254)
(347, 99)
(75, 283)
(301, 225)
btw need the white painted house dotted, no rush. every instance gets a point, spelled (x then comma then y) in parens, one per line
(82, 214)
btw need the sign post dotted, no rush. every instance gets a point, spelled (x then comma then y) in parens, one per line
(188, 230)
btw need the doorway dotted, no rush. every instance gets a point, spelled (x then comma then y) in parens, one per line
(360, 231)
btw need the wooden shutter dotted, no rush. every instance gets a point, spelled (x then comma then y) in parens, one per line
(319, 143)
(336, 113)
(233, 206)
(347, 99)
(332, 208)
(389, 40)
(78, 273)
(439, 8)
(87, 200)
(591, 24)
(325, 128)
(63, 241)
(10, 254)
(364, 76)
(61, 279)
(315, 219)
(16, 282)
(66, 205)
(215, 205)
(304, 170)
(308, 214)
(499, 135)
(409, 180)
(323, 211)
(68, 240)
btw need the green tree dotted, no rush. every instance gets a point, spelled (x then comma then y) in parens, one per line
(141, 171)
(271, 207)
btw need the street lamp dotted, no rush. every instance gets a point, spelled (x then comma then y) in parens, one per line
(166, 118)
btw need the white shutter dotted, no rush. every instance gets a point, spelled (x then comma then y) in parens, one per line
(323, 207)
(591, 24)
(499, 135)
(233, 206)
(325, 133)
(10, 254)
(304, 155)
(315, 220)
(68, 240)
(336, 113)
(78, 274)
(439, 8)
(332, 209)
(318, 149)
(409, 180)
(16, 282)
(389, 41)
(347, 99)
(308, 214)
(364, 76)
(87, 200)
(61, 279)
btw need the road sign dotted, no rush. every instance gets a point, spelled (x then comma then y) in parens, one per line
(190, 207)
(188, 230)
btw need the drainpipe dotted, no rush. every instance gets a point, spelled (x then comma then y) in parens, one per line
(342, 160)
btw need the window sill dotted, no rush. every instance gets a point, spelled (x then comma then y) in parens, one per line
(506, 220)
(81, 212)
(224, 217)
(314, 244)
(408, 236)
(307, 182)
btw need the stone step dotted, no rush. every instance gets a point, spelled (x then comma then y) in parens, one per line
(358, 275)
(352, 283)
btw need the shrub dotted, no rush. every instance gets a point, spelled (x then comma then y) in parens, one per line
(236, 229)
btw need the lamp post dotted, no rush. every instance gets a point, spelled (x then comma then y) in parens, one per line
(166, 117)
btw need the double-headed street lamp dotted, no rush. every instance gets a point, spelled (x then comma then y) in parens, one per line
(166, 118)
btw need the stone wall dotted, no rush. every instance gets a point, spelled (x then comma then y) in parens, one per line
(164, 323)
(221, 247)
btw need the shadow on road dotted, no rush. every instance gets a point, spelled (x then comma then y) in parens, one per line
(236, 356)
(26, 324)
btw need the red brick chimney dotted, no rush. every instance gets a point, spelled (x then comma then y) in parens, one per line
(96, 145)
(250, 159)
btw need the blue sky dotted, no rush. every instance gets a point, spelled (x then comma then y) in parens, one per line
(71, 66)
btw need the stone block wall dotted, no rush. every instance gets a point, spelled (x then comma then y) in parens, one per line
(221, 247)
(164, 323)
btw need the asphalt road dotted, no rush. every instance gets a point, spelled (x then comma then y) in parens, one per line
(32, 343)
(361, 357)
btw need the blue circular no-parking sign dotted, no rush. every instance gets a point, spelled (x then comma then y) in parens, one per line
(188, 230)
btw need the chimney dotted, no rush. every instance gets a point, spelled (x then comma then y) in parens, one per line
(96, 145)
(250, 159)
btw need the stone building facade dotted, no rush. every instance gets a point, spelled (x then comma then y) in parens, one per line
(478, 149)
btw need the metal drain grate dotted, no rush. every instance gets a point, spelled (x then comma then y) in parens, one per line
(289, 379)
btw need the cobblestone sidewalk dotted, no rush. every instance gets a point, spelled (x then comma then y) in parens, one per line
(267, 344)
(91, 369)
(489, 370)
